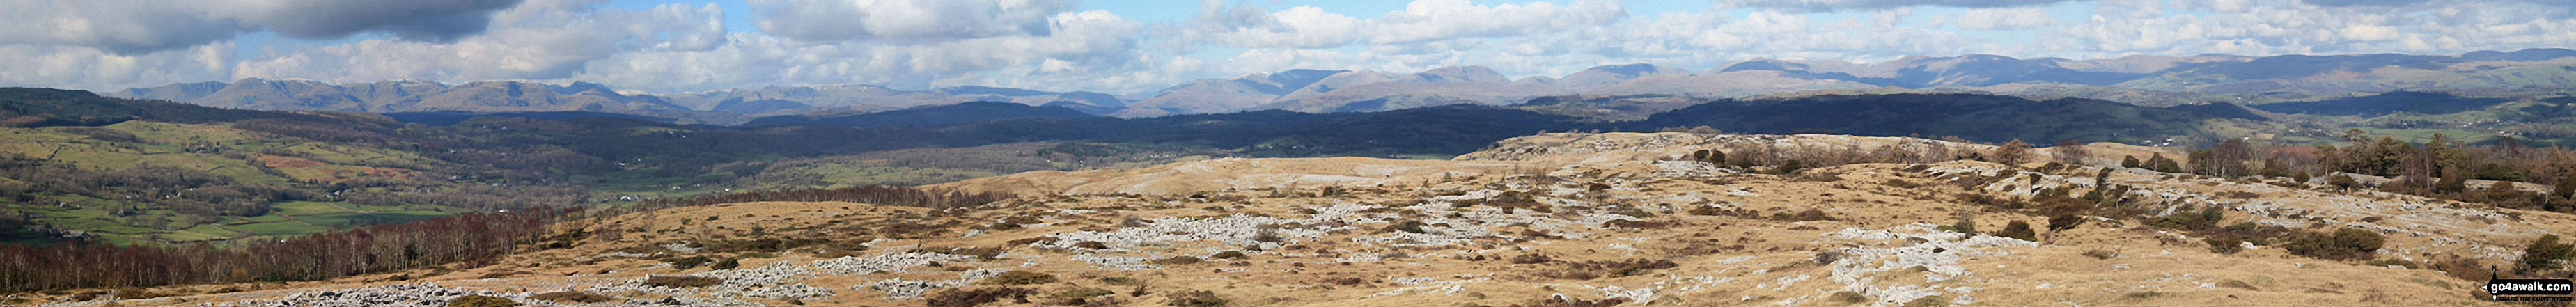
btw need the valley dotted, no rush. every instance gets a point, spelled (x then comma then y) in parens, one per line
(1547, 220)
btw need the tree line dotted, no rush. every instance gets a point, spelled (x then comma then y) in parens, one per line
(473, 238)
(2439, 167)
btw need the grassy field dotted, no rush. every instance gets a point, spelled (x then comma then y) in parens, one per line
(242, 157)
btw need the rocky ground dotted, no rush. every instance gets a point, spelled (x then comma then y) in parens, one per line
(1548, 220)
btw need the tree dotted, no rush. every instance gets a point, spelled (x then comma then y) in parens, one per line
(2273, 168)
(2546, 253)
(2159, 163)
(2010, 153)
(2343, 181)
(1967, 223)
(2566, 187)
(2225, 160)
(2416, 170)
(2070, 153)
(2382, 159)
(2019, 230)
(2453, 181)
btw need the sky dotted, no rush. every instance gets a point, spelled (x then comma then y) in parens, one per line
(1138, 47)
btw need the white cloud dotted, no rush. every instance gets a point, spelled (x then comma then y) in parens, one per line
(98, 70)
(1425, 20)
(1047, 45)
(905, 20)
(133, 27)
(1296, 27)
(2002, 18)
(1836, 5)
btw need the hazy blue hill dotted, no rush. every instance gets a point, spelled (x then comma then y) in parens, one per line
(1975, 117)
(926, 116)
(37, 107)
(2525, 55)
(444, 118)
(2383, 104)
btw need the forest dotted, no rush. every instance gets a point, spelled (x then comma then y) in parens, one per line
(470, 240)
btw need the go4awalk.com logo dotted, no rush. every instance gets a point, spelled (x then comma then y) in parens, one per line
(2529, 290)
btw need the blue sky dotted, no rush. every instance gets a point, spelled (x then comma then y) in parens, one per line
(1136, 47)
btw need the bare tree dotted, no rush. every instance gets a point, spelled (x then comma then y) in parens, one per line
(2070, 153)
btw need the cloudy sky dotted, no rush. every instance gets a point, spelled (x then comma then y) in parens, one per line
(1136, 47)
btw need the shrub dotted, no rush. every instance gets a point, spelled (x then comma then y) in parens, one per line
(2010, 153)
(954, 297)
(1563, 301)
(681, 281)
(481, 301)
(137, 293)
(1811, 214)
(2546, 253)
(1200, 298)
(1175, 260)
(1530, 259)
(2224, 246)
(2343, 181)
(987, 253)
(2062, 222)
(1237, 255)
(572, 297)
(689, 262)
(2342, 244)
(727, 264)
(1020, 278)
(2103, 254)
(1967, 223)
(1848, 297)
(1080, 295)
(1406, 226)
(2019, 230)
(1622, 268)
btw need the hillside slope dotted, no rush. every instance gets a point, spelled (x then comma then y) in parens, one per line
(1547, 220)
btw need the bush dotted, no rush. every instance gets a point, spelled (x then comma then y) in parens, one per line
(1200, 298)
(1811, 214)
(727, 264)
(2018, 230)
(1236, 255)
(1406, 226)
(1615, 268)
(2103, 254)
(1175, 260)
(1530, 259)
(689, 262)
(1076, 295)
(572, 297)
(954, 297)
(681, 281)
(137, 293)
(1563, 301)
(2224, 246)
(1020, 278)
(2063, 222)
(481, 301)
(2343, 181)
(2342, 244)
(1848, 297)
(2546, 253)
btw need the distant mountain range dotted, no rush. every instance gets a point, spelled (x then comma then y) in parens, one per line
(2142, 80)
